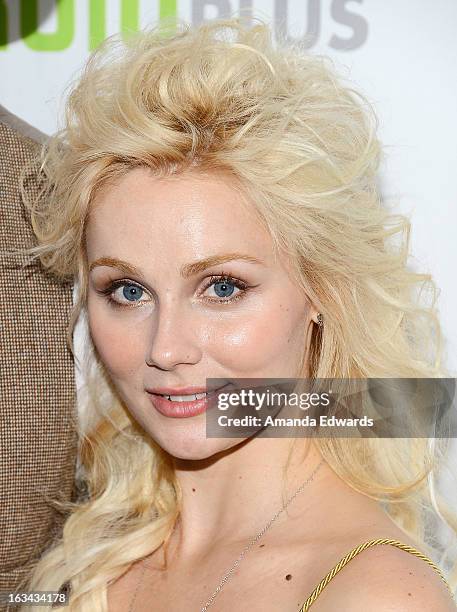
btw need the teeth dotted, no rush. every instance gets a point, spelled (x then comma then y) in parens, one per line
(185, 398)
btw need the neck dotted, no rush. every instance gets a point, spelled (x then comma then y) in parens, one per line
(229, 498)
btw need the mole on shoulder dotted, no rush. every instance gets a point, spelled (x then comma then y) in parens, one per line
(193, 489)
(289, 577)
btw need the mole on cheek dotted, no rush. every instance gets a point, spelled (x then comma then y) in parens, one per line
(193, 489)
(289, 577)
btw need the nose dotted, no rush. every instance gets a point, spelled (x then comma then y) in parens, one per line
(173, 339)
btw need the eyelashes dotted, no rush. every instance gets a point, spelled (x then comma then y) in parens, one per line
(134, 289)
(226, 279)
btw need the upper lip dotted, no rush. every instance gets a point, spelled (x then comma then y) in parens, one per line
(182, 391)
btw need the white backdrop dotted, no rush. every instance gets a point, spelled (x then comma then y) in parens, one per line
(401, 54)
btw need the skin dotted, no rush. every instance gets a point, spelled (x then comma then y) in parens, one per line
(175, 336)
(160, 226)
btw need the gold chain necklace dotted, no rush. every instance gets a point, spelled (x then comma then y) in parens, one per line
(245, 550)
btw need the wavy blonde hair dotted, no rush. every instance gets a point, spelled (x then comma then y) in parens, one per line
(302, 145)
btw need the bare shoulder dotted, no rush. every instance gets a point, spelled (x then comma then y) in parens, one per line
(386, 578)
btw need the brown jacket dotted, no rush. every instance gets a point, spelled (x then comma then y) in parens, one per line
(38, 442)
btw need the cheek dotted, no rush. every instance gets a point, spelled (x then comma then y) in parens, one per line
(261, 338)
(118, 344)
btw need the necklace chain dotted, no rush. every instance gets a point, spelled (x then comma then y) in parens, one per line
(245, 550)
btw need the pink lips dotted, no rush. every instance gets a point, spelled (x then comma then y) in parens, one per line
(179, 410)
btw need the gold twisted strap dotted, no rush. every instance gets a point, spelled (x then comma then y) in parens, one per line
(357, 550)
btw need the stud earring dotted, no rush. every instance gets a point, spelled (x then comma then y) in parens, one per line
(320, 320)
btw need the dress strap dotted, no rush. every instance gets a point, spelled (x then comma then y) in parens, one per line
(357, 550)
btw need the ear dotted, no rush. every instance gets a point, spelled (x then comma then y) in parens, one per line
(314, 315)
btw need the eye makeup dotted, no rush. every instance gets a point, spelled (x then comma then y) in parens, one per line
(222, 279)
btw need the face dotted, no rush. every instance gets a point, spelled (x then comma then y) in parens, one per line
(157, 321)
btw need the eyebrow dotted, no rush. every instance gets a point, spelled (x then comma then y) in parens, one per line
(186, 271)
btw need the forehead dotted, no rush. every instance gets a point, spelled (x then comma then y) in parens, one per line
(197, 210)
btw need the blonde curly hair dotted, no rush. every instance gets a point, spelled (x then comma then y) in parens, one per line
(303, 146)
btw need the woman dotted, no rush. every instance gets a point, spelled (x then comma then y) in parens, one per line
(215, 196)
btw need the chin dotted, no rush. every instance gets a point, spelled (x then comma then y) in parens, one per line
(195, 449)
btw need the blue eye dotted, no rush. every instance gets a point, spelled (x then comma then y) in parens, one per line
(224, 285)
(134, 295)
(132, 292)
(224, 288)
